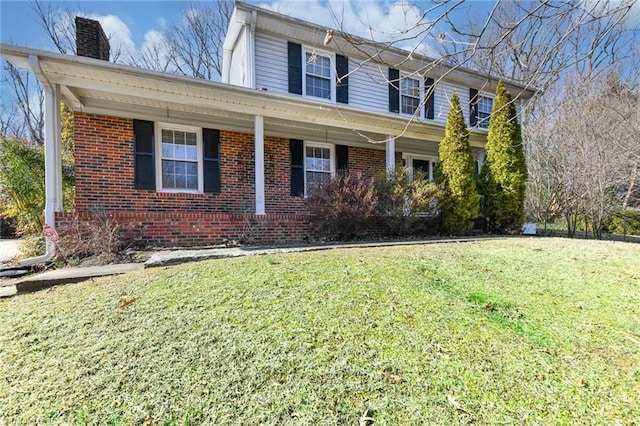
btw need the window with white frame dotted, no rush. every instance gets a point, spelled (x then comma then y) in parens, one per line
(319, 81)
(318, 163)
(409, 95)
(484, 105)
(180, 159)
(420, 163)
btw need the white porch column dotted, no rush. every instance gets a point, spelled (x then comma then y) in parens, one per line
(58, 149)
(259, 164)
(52, 155)
(391, 154)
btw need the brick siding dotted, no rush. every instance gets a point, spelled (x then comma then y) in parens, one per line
(104, 172)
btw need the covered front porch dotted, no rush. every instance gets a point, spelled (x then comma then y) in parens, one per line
(115, 92)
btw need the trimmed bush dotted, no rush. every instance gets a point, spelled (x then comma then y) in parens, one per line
(454, 174)
(343, 205)
(407, 204)
(504, 175)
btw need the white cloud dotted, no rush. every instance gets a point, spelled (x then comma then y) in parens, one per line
(117, 32)
(399, 22)
(153, 39)
(152, 48)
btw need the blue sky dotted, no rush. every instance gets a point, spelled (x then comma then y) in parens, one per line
(133, 22)
(19, 26)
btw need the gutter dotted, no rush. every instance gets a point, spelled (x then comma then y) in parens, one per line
(52, 199)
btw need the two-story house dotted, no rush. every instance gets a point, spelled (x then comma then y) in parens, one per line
(189, 162)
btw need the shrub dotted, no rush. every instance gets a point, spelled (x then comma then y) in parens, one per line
(454, 174)
(101, 237)
(343, 205)
(624, 222)
(7, 227)
(22, 183)
(407, 204)
(504, 175)
(22, 186)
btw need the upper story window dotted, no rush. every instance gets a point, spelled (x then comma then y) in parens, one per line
(180, 159)
(319, 160)
(484, 105)
(409, 95)
(319, 81)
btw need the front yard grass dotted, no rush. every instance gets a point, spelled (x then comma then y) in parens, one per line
(514, 331)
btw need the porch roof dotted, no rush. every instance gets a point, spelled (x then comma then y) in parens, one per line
(100, 87)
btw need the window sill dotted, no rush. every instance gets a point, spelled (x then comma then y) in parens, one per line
(178, 191)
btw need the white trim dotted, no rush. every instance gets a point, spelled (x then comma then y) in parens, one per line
(405, 75)
(483, 120)
(250, 51)
(158, 126)
(332, 157)
(332, 72)
(259, 164)
(409, 157)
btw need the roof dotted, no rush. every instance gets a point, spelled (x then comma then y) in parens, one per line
(101, 87)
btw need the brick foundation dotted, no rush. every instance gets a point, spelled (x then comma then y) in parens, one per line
(200, 229)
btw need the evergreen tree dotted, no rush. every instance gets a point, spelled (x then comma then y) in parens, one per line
(504, 174)
(454, 173)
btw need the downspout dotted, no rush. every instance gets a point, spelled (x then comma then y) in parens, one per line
(51, 122)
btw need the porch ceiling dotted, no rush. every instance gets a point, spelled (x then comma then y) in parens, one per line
(100, 87)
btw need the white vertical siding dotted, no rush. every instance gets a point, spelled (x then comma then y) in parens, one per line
(271, 63)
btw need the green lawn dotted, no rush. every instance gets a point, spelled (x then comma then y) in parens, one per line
(514, 331)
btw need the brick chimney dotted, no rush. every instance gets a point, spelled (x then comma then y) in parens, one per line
(91, 40)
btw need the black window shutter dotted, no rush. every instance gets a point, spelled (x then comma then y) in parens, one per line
(342, 157)
(211, 160)
(394, 93)
(144, 164)
(430, 104)
(473, 107)
(342, 85)
(295, 67)
(296, 147)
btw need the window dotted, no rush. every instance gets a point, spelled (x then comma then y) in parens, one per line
(420, 163)
(318, 75)
(484, 106)
(180, 159)
(409, 95)
(318, 162)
